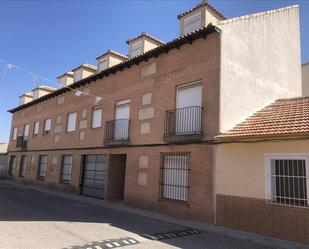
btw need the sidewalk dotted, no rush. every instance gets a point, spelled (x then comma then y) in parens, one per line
(233, 233)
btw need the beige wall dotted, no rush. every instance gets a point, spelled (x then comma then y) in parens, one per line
(114, 61)
(260, 62)
(240, 167)
(305, 79)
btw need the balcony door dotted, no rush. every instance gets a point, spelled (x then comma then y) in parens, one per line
(188, 118)
(26, 132)
(122, 116)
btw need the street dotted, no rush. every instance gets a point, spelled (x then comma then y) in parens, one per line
(34, 219)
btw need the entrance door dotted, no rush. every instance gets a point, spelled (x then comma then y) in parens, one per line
(94, 176)
(188, 105)
(122, 117)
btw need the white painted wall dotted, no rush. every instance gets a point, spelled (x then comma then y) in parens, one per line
(260, 62)
(305, 79)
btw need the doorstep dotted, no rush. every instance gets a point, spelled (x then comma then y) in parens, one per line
(194, 224)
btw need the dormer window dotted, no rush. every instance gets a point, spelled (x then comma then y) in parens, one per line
(136, 48)
(66, 79)
(77, 75)
(192, 23)
(109, 59)
(103, 64)
(83, 71)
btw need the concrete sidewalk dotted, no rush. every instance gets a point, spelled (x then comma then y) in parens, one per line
(233, 233)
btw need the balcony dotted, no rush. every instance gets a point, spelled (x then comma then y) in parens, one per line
(117, 132)
(183, 125)
(22, 142)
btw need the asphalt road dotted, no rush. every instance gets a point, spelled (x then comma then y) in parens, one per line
(33, 219)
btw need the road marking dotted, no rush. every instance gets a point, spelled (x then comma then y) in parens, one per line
(98, 247)
(109, 245)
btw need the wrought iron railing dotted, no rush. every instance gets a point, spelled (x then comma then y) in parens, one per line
(22, 142)
(117, 131)
(184, 121)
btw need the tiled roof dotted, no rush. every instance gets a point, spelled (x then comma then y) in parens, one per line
(113, 53)
(164, 48)
(284, 117)
(146, 35)
(48, 88)
(86, 65)
(29, 94)
(204, 3)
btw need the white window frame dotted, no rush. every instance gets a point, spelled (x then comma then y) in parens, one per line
(36, 128)
(71, 127)
(14, 133)
(136, 48)
(284, 156)
(47, 126)
(189, 19)
(78, 75)
(26, 131)
(103, 62)
(96, 124)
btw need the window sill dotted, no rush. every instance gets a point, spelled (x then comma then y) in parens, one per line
(269, 202)
(177, 202)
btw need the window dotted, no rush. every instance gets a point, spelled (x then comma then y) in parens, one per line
(71, 124)
(136, 48)
(22, 166)
(66, 173)
(103, 64)
(36, 128)
(174, 176)
(97, 118)
(26, 132)
(287, 179)
(14, 134)
(42, 166)
(78, 75)
(192, 23)
(47, 127)
(12, 166)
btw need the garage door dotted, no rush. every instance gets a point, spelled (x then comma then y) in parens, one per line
(94, 175)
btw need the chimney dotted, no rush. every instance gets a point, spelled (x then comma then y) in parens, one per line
(84, 71)
(198, 17)
(142, 43)
(25, 98)
(108, 59)
(41, 91)
(66, 79)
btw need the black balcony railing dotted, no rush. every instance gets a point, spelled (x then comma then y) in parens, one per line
(184, 124)
(117, 132)
(22, 142)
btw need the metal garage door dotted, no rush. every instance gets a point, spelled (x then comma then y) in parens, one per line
(94, 175)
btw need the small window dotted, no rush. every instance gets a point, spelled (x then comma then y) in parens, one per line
(97, 118)
(103, 64)
(71, 123)
(288, 181)
(174, 176)
(26, 132)
(22, 166)
(12, 166)
(14, 134)
(192, 23)
(66, 173)
(36, 128)
(78, 75)
(47, 127)
(42, 166)
(136, 48)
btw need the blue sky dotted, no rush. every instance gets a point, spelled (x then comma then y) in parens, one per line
(51, 37)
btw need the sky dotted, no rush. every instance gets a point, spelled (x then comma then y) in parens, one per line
(50, 37)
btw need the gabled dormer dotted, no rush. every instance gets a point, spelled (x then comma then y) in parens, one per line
(66, 79)
(41, 91)
(25, 98)
(108, 59)
(142, 43)
(198, 17)
(83, 71)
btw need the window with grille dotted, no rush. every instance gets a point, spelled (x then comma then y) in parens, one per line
(47, 127)
(192, 23)
(12, 166)
(288, 181)
(22, 166)
(66, 173)
(174, 182)
(42, 166)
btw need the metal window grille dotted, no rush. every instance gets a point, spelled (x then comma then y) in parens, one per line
(174, 184)
(117, 130)
(289, 182)
(22, 166)
(66, 173)
(12, 166)
(42, 166)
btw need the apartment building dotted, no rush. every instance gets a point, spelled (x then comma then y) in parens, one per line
(148, 138)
